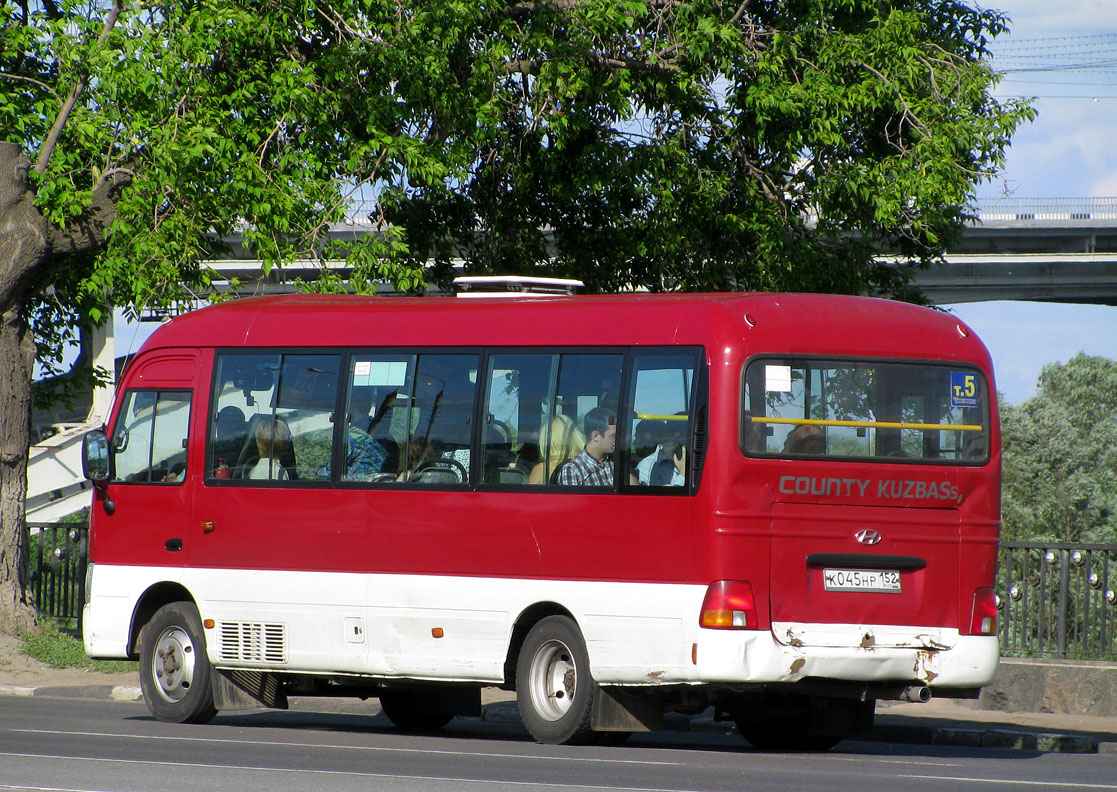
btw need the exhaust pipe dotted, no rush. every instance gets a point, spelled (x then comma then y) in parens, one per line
(917, 694)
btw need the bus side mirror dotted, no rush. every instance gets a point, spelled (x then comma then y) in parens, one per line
(95, 456)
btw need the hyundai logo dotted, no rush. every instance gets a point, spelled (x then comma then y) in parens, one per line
(867, 536)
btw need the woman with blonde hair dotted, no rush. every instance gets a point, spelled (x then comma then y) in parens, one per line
(560, 440)
(273, 443)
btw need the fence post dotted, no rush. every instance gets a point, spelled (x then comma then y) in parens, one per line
(1064, 584)
(82, 566)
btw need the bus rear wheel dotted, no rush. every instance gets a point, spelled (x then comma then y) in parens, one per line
(554, 689)
(802, 723)
(175, 674)
(413, 710)
(787, 733)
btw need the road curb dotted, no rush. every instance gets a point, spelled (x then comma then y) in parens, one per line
(1045, 742)
(96, 692)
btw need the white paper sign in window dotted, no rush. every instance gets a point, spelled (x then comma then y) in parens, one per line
(777, 379)
(388, 374)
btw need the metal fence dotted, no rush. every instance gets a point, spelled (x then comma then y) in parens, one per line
(1056, 599)
(59, 555)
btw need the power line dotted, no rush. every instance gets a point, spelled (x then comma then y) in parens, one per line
(1087, 54)
(1056, 41)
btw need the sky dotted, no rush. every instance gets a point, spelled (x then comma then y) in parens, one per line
(1062, 53)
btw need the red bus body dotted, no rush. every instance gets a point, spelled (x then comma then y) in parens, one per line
(351, 584)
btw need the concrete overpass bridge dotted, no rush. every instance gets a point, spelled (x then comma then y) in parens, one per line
(1058, 250)
(1061, 250)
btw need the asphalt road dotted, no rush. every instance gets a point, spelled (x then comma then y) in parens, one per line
(98, 746)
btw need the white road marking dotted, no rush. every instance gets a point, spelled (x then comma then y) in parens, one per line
(564, 758)
(339, 773)
(1015, 781)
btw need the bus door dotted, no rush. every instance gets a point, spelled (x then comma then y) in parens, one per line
(864, 468)
(279, 552)
(145, 511)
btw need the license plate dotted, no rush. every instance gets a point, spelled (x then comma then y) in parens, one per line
(886, 580)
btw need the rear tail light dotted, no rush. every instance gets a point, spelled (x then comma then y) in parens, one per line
(984, 618)
(729, 605)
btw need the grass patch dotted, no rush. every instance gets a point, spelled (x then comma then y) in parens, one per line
(59, 650)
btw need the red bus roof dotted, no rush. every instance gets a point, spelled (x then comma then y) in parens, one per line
(815, 324)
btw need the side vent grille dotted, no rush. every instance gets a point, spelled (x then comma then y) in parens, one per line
(252, 642)
(701, 435)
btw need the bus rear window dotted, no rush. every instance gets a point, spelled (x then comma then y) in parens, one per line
(865, 409)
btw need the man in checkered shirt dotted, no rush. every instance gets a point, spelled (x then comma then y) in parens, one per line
(594, 466)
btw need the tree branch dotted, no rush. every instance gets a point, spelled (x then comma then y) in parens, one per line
(89, 231)
(43, 85)
(528, 66)
(527, 8)
(68, 106)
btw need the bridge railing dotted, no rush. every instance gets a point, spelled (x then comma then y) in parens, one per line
(1058, 600)
(1048, 209)
(361, 212)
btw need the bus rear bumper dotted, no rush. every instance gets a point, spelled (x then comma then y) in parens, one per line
(755, 657)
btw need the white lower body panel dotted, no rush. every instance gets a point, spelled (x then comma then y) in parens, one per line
(460, 629)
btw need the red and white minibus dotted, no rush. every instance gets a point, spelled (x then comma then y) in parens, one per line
(782, 506)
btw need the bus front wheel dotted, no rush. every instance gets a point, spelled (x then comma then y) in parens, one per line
(175, 672)
(554, 689)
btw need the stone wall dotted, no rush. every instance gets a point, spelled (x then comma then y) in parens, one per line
(1074, 687)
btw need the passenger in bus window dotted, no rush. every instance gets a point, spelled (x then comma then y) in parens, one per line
(805, 439)
(754, 434)
(562, 441)
(647, 436)
(365, 455)
(418, 450)
(176, 474)
(229, 432)
(273, 442)
(593, 467)
(666, 465)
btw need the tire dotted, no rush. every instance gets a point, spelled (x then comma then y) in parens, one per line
(611, 738)
(554, 689)
(781, 721)
(411, 710)
(175, 674)
(787, 734)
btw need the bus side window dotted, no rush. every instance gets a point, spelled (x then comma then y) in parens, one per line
(441, 420)
(534, 413)
(659, 448)
(378, 412)
(305, 399)
(514, 433)
(150, 437)
(272, 406)
(585, 383)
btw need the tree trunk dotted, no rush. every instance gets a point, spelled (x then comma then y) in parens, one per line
(24, 245)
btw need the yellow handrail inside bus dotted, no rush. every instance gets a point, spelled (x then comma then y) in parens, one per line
(868, 424)
(652, 417)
